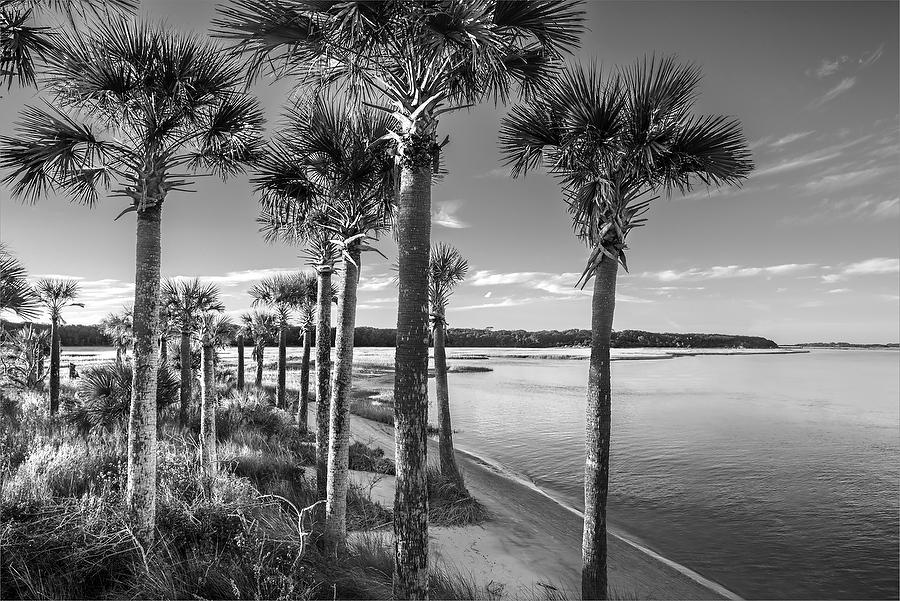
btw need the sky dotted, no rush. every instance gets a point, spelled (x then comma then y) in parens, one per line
(808, 249)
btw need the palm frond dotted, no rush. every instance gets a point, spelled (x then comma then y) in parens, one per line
(16, 295)
(50, 151)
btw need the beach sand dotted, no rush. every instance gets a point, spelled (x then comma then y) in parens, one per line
(531, 544)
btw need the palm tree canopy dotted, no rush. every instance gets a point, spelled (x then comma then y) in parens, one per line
(118, 327)
(328, 179)
(615, 141)
(283, 293)
(423, 58)
(446, 269)
(22, 41)
(56, 295)
(16, 294)
(187, 300)
(217, 329)
(135, 105)
(261, 326)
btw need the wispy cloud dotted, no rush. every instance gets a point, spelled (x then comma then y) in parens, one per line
(444, 214)
(496, 173)
(726, 271)
(870, 58)
(856, 208)
(846, 179)
(376, 282)
(784, 140)
(845, 84)
(875, 266)
(235, 278)
(828, 66)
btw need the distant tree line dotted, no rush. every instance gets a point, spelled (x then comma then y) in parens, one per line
(82, 335)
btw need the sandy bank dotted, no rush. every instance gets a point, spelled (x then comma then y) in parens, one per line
(532, 543)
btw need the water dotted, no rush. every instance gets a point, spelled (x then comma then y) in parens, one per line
(776, 475)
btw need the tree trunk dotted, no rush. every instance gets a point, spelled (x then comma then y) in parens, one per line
(597, 421)
(240, 367)
(411, 386)
(282, 366)
(208, 456)
(260, 354)
(339, 423)
(119, 354)
(449, 469)
(54, 365)
(186, 374)
(140, 492)
(303, 406)
(323, 381)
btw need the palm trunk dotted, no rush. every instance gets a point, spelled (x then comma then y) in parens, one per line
(186, 374)
(208, 457)
(303, 406)
(411, 386)
(54, 365)
(282, 366)
(119, 354)
(339, 423)
(140, 493)
(240, 367)
(323, 380)
(597, 420)
(260, 352)
(449, 469)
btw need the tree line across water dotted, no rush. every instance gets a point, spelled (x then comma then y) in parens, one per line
(91, 335)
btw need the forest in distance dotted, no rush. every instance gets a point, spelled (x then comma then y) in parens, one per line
(365, 336)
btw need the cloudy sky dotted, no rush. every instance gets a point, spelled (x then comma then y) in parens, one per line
(807, 250)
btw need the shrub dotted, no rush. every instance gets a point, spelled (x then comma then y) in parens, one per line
(449, 506)
(105, 395)
(370, 459)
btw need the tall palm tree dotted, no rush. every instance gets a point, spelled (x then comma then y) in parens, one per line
(22, 41)
(165, 326)
(614, 143)
(118, 328)
(306, 315)
(56, 295)
(135, 107)
(16, 294)
(347, 171)
(263, 327)
(447, 269)
(293, 224)
(186, 301)
(422, 59)
(283, 294)
(216, 330)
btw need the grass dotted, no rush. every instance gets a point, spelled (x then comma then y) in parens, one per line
(379, 411)
(450, 506)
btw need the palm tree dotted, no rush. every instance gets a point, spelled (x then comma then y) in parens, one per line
(263, 327)
(16, 294)
(118, 328)
(216, 330)
(306, 314)
(447, 269)
(242, 331)
(165, 326)
(613, 143)
(423, 59)
(21, 41)
(186, 301)
(136, 106)
(282, 294)
(56, 295)
(348, 182)
(293, 224)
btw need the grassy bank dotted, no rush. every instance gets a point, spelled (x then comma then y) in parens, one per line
(63, 533)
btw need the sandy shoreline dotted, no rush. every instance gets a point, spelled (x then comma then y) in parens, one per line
(531, 545)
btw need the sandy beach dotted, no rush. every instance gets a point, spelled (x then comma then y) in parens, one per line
(531, 543)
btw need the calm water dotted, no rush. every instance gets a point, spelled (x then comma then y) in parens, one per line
(776, 475)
